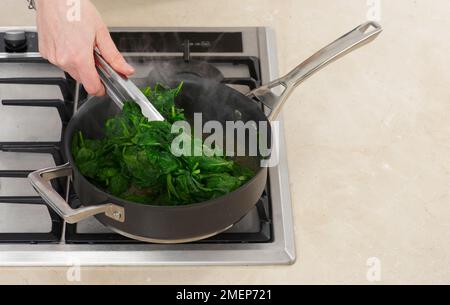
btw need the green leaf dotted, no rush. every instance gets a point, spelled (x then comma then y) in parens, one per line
(134, 162)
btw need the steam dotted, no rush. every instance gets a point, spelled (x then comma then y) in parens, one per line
(204, 96)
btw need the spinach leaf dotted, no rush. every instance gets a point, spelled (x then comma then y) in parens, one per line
(134, 162)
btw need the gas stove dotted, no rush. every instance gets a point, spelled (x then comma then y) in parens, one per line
(37, 101)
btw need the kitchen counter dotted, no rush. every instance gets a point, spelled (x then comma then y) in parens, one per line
(368, 141)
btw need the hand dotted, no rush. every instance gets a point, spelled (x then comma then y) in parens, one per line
(70, 44)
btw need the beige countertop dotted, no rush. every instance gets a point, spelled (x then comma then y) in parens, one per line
(368, 141)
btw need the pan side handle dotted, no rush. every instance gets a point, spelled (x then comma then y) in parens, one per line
(40, 180)
(356, 38)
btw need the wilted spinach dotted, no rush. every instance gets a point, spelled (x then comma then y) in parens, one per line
(134, 162)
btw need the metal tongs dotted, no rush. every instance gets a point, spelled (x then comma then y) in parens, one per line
(121, 89)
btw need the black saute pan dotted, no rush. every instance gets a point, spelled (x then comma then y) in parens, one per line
(216, 101)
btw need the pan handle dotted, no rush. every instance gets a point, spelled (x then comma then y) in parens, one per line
(40, 180)
(356, 38)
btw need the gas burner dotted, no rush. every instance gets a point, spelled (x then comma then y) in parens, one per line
(179, 68)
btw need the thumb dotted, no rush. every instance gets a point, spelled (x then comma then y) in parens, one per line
(110, 53)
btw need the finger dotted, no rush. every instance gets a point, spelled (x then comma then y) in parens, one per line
(51, 56)
(48, 51)
(41, 46)
(42, 38)
(110, 53)
(74, 74)
(89, 76)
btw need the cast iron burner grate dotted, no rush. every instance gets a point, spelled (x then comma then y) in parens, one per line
(64, 108)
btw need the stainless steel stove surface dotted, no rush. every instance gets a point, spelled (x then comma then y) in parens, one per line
(37, 101)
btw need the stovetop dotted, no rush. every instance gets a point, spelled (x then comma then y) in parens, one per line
(37, 101)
